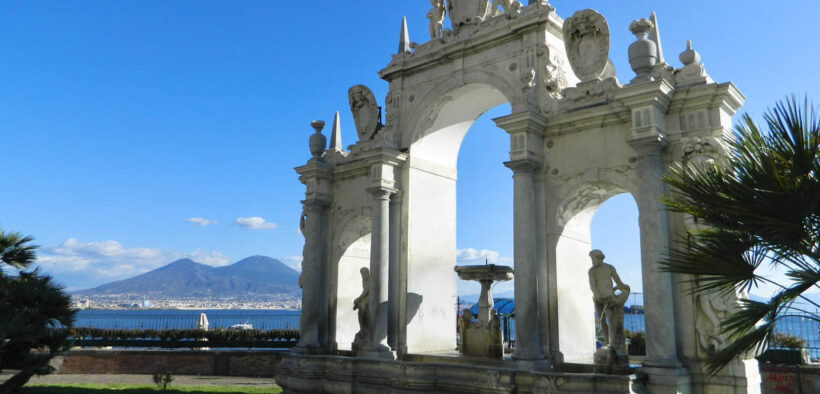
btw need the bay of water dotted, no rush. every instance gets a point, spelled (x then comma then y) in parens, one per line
(271, 319)
(162, 319)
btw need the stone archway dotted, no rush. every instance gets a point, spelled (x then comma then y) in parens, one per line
(573, 143)
(429, 184)
(351, 253)
(573, 242)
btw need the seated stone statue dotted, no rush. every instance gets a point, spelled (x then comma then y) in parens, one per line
(609, 309)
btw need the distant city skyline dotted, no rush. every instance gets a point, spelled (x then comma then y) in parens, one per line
(141, 132)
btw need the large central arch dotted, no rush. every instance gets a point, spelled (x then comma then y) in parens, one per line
(429, 183)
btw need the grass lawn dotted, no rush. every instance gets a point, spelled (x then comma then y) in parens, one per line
(139, 389)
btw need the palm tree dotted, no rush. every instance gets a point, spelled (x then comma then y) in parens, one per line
(758, 207)
(16, 250)
(31, 306)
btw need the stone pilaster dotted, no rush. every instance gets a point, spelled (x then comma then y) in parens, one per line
(662, 365)
(657, 286)
(526, 156)
(313, 322)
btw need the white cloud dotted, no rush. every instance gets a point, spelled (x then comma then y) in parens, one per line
(214, 258)
(201, 222)
(294, 262)
(482, 255)
(88, 264)
(255, 223)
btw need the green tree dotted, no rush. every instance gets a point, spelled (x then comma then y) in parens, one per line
(758, 207)
(31, 305)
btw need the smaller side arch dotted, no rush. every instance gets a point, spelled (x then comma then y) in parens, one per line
(570, 240)
(350, 253)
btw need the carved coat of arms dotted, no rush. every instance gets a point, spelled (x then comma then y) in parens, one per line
(466, 11)
(586, 39)
(365, 111)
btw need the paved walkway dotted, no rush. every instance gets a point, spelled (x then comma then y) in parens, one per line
(179, 380)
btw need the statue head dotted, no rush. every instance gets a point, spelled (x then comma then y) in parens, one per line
(365, 273)
(597, 257)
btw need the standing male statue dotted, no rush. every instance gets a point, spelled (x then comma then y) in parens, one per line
(609, 306)
(361, 304)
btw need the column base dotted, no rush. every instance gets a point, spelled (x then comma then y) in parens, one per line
(740, 376)
(543, 364)
(379, 351)
(308, 350)
(665, 380)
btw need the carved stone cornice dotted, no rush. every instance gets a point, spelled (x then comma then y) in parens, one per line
(471, 39)
(360, 163)
(526, 130)
(522, 167)
(315, 204)
(656, 93)
(725, 96)
(317, 177)
(528, 121)
(651, 143)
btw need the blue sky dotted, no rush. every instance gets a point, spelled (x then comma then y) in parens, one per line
(122, 120)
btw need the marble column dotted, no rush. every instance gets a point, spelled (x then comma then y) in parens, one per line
(394, 296)
(525, 251)
(379, 274)
(659, 312)
(312, 320)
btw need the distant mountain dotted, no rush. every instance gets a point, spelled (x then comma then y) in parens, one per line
(186, 278)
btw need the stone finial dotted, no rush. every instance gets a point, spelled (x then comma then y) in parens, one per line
(693, 71)
(336, 135)
(643, 53)
(640, 27)
(317, 141)
(689, 56)
(655, 36)
(404, 38)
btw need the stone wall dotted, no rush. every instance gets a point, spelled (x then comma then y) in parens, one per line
(193, 362)
(782, 379)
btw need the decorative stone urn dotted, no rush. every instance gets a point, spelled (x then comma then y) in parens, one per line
(643, 53)
(318, 141)
(482, 338)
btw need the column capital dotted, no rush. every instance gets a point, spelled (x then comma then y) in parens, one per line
(651, 143)
(318, 180)
(382, 192)
(315, 203)
(522, 166)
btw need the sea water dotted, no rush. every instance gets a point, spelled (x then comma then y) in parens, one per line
(274, 319)
(160, 319)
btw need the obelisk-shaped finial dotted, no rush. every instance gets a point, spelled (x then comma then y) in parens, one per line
(336, 135)
(404, 39)
(655, 36)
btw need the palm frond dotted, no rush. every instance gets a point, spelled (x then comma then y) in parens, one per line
(761, 204)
